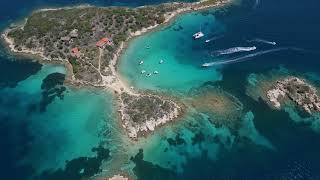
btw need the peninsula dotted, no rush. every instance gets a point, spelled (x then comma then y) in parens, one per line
(89, 40)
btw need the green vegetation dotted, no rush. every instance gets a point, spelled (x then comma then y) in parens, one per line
(56, 32)
(147, 107)
(75, 65)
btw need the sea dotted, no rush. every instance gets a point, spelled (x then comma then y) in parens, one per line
(51, 130)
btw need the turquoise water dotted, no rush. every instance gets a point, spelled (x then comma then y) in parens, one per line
(181, 55)
(69, 128)
(266, 144)
(52, 131)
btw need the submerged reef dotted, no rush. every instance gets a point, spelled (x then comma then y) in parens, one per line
(221, 107)
(88, 41)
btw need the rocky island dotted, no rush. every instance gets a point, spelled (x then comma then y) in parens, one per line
(278, 88)
(297, 90)
(88, 41)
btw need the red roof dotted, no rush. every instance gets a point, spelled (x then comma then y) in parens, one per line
(75, 52)
(103, 42)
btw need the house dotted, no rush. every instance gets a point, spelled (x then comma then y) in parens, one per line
(103, 42)
(74, 33)
(75, 52)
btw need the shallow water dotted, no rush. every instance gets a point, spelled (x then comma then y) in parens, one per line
(181, 55)
(66, 129)
(261, 144)
(269, 144)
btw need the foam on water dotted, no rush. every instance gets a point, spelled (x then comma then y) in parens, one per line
(262, 41)
(214, 38)
(248, 56)
(233, 50)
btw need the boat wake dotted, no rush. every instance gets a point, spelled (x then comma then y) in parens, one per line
(214, 38)
(262, 41)
(256, 4)
(233, 50)
(246, 57)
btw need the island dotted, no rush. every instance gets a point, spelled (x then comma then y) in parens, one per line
(88, 41)
(297, 90)
(279, 89)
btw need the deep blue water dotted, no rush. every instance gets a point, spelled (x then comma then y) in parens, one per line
(291, 23)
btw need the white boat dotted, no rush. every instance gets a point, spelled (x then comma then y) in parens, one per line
(149, 74)
(208, 40)
(161, 61)
(143, 71)
(141, 62)
(155, 72)
(205, 65)
(198, 35)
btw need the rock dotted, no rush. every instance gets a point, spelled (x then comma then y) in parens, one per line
(297, 90)
(118, 177)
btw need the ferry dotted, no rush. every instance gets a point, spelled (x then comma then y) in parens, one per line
(198, 35)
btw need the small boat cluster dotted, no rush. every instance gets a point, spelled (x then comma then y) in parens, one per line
(150, 74)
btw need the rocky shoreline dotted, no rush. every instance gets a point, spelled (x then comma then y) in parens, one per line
(297, 90)
(96, 67)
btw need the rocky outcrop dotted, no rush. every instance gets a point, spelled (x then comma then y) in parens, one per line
(297, 90)
(143, 113)
(118, 177)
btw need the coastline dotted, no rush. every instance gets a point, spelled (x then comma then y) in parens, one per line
(169, 19)
(115, 82)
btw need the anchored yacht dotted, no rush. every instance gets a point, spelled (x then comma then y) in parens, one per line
(198, 35)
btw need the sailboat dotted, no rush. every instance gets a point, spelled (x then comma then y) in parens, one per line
(198, 35)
